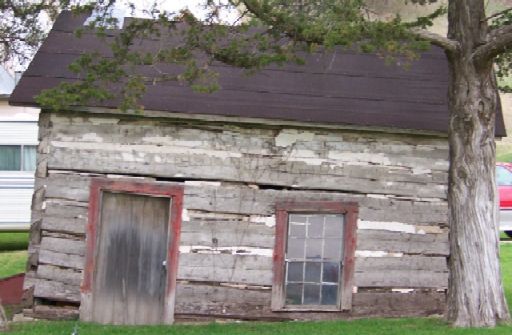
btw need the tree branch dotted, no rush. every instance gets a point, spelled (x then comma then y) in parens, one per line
(436, 39)
(500, 13)
(289, 29)
(253, 6)
(498, 41)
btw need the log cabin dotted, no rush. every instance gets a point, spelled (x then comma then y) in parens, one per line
(314, 192)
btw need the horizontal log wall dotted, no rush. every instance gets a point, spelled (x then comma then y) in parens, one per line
(361, 162)
(233, 176)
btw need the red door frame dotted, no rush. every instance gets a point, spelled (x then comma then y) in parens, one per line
(172, 191)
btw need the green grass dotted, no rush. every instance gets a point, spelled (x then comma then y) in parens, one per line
(13, 254)
(503, 153)
(13, 241)
(506, 271)
(12, 262)
(416, 326)
(426, 326)
(504, 157)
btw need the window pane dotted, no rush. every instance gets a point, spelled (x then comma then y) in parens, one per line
(311, 294)
(10, 157)
(313, 272)
(295, 248)
(297, 230)
(316, 226)
(295, 271)
(29, 158)
(332, 248)
(331, 272)
(503, 176)
(334, 226)
(294, 218)
(313, 258)
(314, 248)
(329, 294)
(293, 294)
(297, 225)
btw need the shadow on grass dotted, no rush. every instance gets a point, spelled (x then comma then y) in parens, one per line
(12, 241)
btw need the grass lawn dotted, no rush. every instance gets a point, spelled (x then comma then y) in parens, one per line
(12, 262)
(13, 241)
(13, 254)
(506, 271)
(416, 326)
(503, 152)
(427, 326)
(505, 157)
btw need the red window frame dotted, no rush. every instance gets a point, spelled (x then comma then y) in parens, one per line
(150, 188)
(283, 209)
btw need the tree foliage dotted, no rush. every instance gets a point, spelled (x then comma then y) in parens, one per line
(503, 60)
(23, 25)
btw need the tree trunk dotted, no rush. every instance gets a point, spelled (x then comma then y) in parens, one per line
(475, 292)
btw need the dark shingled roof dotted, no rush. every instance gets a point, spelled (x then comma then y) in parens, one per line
(340, 87)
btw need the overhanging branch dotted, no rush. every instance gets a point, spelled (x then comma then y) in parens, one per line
(498, 41)
(289, 29)
(500, 13)
(436, 39)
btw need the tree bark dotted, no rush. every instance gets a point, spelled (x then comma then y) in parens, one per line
(475, 292)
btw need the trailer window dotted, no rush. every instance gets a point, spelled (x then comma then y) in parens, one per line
(17, 157)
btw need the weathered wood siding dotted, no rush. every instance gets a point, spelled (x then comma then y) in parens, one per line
(233, 176)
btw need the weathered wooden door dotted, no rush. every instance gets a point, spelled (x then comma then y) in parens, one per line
(129, 285)
(128, 274)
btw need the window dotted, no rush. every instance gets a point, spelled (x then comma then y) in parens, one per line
(314, 256)
(17, 157)
(503, 176)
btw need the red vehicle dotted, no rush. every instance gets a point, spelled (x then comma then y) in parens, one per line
(504, 182)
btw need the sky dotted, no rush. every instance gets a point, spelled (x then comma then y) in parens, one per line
(195, 6)
(122, 10)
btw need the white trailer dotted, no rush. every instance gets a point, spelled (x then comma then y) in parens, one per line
(18, 141)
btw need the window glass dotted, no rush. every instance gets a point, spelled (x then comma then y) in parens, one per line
(314, 248)
(296, 248)
(313, 258)
(295, 271)
(294, 293)
(503, 176)
(10, 157)
(329, 294)
(311, 294)
(297, 225)
(330, 272)
(313, 273)
(29, 158)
